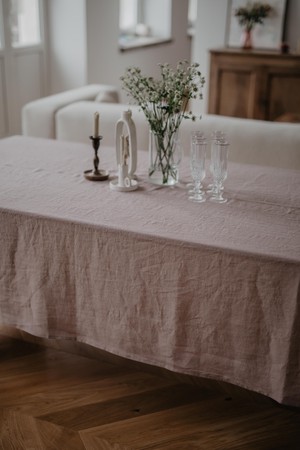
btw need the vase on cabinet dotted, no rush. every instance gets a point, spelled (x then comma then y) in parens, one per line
(246, 39)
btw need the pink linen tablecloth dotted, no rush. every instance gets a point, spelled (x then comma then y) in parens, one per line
(203, 289)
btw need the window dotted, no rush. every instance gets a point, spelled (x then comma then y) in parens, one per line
(24, 22)
(144, 22)
(128, 16)
(192, 16)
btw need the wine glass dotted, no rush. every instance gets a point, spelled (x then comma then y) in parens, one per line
(197, 165)
(195, 135)
(218, 167)
(217, 135)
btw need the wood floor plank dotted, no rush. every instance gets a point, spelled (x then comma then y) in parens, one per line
(54, 364)
(19, 431)
(53, 371)
(210, 423)
(50, 399)
(97, 414)
(8, 351)
(54, 399)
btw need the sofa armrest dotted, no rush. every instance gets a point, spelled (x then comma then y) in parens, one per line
(75, 122)
(38, 116)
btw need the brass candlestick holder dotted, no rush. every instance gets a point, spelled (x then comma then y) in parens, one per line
(96, 174)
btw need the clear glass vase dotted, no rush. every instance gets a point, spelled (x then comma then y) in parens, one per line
(165, 154)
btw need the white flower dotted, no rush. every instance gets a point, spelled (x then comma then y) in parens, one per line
(166, 97)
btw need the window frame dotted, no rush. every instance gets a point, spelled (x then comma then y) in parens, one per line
(140, 35)
(30, 44)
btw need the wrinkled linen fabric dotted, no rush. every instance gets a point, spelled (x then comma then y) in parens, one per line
(203, 289)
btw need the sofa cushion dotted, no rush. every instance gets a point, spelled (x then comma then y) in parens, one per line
(38, 116)
(258, 141)
(107, 96)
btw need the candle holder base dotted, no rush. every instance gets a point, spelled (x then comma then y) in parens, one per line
(96, 175)
(115, 186)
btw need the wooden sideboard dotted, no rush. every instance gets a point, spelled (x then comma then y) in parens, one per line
(254, 84)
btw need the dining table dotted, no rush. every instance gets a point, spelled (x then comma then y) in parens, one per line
(208, 290)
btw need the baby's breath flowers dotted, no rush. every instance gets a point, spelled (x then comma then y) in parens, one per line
(164, 102)
(168, 96)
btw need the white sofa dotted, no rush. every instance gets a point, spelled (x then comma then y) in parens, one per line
(69, 116)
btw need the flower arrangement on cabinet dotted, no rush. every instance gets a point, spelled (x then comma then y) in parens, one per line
(164, 102)
(250, 15)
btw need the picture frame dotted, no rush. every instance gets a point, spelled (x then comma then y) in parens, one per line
(266, 36)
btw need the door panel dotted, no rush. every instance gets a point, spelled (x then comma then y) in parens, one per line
(3, 105)
(28, 69)
(284, 95)
(22, 56)
(234, 100)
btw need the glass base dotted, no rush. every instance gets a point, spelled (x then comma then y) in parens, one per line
(192, 190)
(210, 189)
(218, 199)
(198, 198)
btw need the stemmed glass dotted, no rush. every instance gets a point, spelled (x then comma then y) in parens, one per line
(194, 135)
(197, 165)
(218, 167)
(217, 136)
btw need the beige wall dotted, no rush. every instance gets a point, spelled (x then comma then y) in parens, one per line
(106, 63)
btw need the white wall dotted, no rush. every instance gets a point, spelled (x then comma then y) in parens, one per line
(66, 44)
(83, 41)
(210, 33)
(106, 63)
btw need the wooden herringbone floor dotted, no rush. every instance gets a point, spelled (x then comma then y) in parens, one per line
(51, 399)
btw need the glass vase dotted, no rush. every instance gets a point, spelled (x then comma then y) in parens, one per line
(246, 39)
(165, 155)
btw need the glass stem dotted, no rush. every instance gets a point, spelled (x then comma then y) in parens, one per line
(219, 189)
(197, 187)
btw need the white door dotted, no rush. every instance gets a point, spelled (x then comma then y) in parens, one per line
(22, 60)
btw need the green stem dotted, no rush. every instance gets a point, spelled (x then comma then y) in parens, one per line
(164, 143)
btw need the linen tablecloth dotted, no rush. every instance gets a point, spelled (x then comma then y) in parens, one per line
(203, 289)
